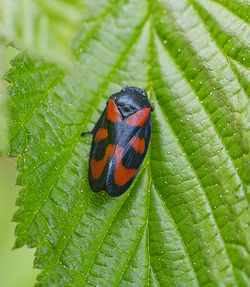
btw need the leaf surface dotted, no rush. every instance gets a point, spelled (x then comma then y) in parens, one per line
(185, 221)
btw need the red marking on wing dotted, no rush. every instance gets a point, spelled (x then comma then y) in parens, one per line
(113, 114)
(138, 118)
(138, 144)
(101, 135)
(122, 174)
(97, 167)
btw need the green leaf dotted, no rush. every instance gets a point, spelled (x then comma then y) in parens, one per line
(185, 221)
(43, 26)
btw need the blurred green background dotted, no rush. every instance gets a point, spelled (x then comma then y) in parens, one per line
(15, 265)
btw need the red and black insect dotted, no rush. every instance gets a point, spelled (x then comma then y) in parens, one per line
(120, 141)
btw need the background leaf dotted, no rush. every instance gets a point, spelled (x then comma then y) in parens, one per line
(44, 27)
(6, 54)
(185, 221)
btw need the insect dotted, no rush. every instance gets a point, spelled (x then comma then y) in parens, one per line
(120, 141)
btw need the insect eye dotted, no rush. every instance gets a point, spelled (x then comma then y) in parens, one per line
(126, 109)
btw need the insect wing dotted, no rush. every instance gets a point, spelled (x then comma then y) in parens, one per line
(128, 157)
(99, 154)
